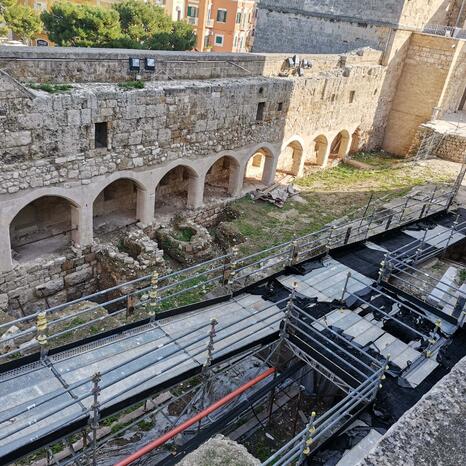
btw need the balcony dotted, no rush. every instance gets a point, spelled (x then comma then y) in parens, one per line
(193, 20)
(209, 23)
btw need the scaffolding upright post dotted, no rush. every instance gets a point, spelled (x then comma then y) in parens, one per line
(229, 269)
(207, 364)
(366, 210)
(95, 417)
(384, 271)
(329, 240)
(452, 231)
(457, 184)
(42, 339)
(431, 200)
(420, 249)
(308, 440)
(153, 296)
(342, 300)
(405, 206)
(288, 311)
(294, 253)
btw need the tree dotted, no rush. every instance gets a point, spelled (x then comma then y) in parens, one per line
(129, 24)
(22, 21)
(68, 24)
(139, 21)
(4, 5)
(181, 37)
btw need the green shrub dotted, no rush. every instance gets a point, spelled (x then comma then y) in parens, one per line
(51, 88)
(132, 85)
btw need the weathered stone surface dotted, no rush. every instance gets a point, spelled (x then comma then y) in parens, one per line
(3, 302)
(220, 451)
(228, 234)
(6, 346)
(432, 432)
(78, 277)
(49, 288)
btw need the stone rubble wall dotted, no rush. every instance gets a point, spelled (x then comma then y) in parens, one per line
(448, 146)
(75, 65)
(51, 138)
(45, 284)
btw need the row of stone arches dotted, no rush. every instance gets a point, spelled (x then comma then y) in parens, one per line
(52, 221)
(319, 152)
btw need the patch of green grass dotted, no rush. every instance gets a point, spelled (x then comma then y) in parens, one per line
(327, 195)
(184, 234)
(192, 296)
(57, 447)
(128, 85)
(462, 275)
(145, 425)
(51, 88)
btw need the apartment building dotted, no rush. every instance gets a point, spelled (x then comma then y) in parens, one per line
(223, 25)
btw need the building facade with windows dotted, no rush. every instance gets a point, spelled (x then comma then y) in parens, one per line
(223, 25)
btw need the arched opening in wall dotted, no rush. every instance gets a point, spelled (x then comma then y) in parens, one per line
(46, 226)
(340, 146)
(258, 169)
(221, 180)
(116, 206)
(355, 142)
(320, 151)
(176, 191)
(289, 161)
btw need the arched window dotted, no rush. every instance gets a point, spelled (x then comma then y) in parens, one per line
(176, 190)
(221, 180)
(45, 226)
(290, 161)
(259, 168)
(340, 145)
(116, 206)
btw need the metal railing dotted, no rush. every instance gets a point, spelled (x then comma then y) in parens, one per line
(430, 339)
(176, 349)
(370, 372)
(401, 266)
(320, 428)
(152, 295)
(365, 371)
(445, 31)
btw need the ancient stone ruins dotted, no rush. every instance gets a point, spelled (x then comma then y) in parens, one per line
(112, 194)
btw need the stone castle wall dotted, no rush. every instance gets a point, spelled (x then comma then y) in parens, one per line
(48, 148)
(48, 283)
(426, 72)
(311, 26)
(51, 137)
(237, 107)
(390, 12)
(295, 32)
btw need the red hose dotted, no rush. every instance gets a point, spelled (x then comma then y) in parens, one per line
(194, 420)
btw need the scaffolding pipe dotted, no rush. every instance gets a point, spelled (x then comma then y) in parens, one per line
(194, 420)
